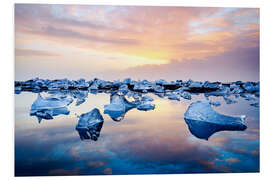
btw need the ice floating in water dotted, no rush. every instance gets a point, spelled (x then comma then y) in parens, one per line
(118, 107)
(185, 95)
(145, 106)
(46, 108)
(147, 98)
(203, 121)
(89, 125)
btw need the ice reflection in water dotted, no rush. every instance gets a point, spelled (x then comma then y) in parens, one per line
(159, 139)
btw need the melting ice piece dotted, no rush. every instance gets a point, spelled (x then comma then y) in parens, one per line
(203, 121)
(145, 106)
(158, 88)
(147, 98)
(89, 125)
(46, 108)
(118, 107)
(185, 95)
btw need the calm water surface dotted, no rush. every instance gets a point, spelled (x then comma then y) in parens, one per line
(151, 142)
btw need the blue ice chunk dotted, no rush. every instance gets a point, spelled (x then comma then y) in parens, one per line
(46, 108)
(203, 121)
(209, 85)
(147, 98)
(90, 124)
(195, 84)
(118, 107)
(146, 106)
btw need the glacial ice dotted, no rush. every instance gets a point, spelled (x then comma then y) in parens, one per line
(118, 107)
(90, 124)
(203, 121)
(46, 108)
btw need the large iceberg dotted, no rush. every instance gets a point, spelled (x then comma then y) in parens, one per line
(46, 108)
(89, 125)
(203, 121)
(118, 107)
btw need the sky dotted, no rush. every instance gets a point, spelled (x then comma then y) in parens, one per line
(141, 42)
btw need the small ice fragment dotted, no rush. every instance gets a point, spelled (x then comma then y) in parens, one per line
(147, 98)
(146, 106)
(94, 86)
(127, 81)
(118, 107)
(209, 85)
(203, 121)
(158, 88)
(89, 125)
(185, 95)
(195, 84)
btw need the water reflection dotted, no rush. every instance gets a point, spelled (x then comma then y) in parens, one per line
(157, 141)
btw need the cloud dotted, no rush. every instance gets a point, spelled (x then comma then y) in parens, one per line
(29, 52)
(239, 64)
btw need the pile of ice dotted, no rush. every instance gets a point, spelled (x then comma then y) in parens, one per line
(173, 90)
(203, 121)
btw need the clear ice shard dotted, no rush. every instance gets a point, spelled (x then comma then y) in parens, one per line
(90, 124)
(46, 108)
(203, 121)
(118, 107)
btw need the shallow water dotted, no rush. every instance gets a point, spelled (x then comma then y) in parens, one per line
(144, 142)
